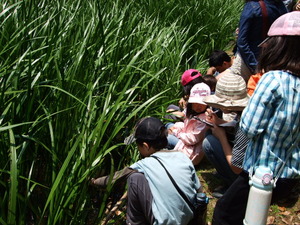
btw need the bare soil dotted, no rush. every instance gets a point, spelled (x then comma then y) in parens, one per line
(287, 213)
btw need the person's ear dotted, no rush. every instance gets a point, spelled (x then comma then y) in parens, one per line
(226, 64)
(146, 146)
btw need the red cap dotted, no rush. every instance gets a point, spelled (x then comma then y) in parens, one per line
(189, 75)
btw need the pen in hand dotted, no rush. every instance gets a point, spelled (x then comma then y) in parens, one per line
(216, 111)
(212, 111)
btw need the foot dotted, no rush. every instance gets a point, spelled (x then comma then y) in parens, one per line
(219, 191)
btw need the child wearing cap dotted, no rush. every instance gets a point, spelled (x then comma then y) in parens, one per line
(271, 120)
(152, 197)
(190, 133)
(189, 78)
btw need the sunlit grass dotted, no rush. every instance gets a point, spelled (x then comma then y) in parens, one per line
(74, 77)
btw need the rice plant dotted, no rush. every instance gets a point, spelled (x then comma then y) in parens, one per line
(74, 77)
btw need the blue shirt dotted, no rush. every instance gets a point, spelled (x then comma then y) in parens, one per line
(168, 206)
(271, 121)
(251, 29)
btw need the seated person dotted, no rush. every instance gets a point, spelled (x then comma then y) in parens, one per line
(188, 79)
(218, 61)
(190, 133)
(225, 148)
(152, 197)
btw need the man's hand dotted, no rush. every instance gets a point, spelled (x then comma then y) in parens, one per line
(182, 103)
(211, 71)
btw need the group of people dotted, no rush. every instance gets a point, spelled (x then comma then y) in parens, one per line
(220, 121)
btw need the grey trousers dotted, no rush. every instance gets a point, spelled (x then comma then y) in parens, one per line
(139, 204)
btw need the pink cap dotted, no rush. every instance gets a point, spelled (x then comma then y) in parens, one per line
(286, 25)
(189, 75)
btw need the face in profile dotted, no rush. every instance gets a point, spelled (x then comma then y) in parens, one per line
(223, 67)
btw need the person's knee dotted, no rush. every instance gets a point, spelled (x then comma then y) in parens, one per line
(136, 178)
(206, 145)
(172, 141)
(139, 201)
(169, 125)
(173, 107)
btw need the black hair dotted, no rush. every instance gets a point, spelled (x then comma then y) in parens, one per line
(217, 58)
(281, 53)
(211, 81)
(187, 88)
(189, 111)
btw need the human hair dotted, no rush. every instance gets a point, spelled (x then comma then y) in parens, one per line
(281, 53)
(159, 143)
(217, 58)
(211, 81)
(187, 88)
(189, 111)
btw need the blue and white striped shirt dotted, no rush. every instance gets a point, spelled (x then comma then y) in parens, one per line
(271, 121)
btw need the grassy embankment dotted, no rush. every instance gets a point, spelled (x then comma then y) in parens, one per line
(74, 76)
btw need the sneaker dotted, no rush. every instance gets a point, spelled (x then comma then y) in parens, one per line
(219, 191)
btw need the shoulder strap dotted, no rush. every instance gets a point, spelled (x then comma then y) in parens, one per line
(265, 23)
(175, 185)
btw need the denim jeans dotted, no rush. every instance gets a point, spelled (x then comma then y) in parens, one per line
(215, 154)
(172, 139)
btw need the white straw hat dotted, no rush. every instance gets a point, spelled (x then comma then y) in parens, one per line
(231, 93)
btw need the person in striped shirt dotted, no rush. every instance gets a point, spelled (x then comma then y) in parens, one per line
(271, 120)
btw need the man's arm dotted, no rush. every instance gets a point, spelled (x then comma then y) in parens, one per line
(120, 175)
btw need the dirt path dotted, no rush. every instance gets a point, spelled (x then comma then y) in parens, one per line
(287, 213)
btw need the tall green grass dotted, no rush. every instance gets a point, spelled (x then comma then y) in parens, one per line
(74, 77)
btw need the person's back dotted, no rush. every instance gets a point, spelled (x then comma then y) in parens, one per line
(168, 207)
(152, 197)
(274, 107)
(251, 35)
(252, 31)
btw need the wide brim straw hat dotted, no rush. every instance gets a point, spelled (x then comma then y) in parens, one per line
(231, 93)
